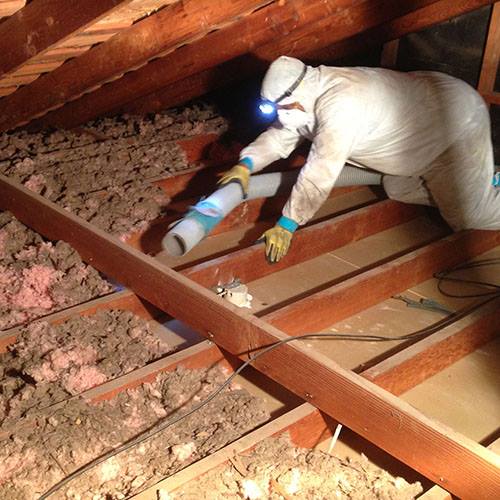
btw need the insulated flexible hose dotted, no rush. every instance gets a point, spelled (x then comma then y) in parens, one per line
(206, 214)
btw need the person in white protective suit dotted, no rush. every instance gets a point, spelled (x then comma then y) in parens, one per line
(427, 131)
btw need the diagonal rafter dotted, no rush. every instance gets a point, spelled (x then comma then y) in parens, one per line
(129, 49)
(457, 463)
(247, 35)
(23, 36)
(318, 48)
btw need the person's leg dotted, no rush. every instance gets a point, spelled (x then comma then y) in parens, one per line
(461, 182)
(407, 190)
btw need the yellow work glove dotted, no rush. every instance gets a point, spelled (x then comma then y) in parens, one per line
(278, 239)
(239, 173)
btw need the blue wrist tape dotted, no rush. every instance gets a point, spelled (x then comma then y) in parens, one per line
(207, 214)
(288, 224)
(247, 161)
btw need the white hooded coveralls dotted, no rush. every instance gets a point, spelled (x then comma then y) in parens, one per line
(429, 130)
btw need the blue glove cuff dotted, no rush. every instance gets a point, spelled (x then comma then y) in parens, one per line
(247, 161)
(288, 224)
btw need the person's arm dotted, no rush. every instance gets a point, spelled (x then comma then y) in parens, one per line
(338, 126)
(275, 143)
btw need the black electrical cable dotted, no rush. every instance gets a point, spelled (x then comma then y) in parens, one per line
(162, 425)
(446, 276)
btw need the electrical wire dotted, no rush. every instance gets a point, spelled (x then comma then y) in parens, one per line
(424, 332)
(445, 276)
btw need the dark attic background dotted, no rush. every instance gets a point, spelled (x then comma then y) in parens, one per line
(454, 47)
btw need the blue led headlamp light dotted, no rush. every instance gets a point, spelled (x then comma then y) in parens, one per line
(268, 107)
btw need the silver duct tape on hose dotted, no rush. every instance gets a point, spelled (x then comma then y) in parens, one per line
(190, 230)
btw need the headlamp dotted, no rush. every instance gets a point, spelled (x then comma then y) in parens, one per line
(267, 107)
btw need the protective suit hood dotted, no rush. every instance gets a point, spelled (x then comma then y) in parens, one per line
(280, 77)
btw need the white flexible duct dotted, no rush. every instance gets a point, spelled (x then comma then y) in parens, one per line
(203, 217)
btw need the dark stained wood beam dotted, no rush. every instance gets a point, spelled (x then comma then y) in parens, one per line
(44, 23)
(454, 461)
(380, 283)
(491, 56)
(308, 427)
(317, 49)
(288, 22)
(154, 36)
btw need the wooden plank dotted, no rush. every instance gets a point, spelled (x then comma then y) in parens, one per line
(17, 80)
(351, 296)
(307, 426)
(8, 7)
(460, 465)
(389, 56)
(438, 493)
(23, 36)
(491, 97)
(260, 28)
(129, 49)
(248, 66)
(7, 90)
(410, 367)
(436, 13)
(60, 54)
(309, 242)
(491, 54)
(36, 68)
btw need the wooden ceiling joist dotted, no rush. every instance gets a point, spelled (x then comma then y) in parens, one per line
(311, 49)
(127, 50)
(45, 23)
(446, 457)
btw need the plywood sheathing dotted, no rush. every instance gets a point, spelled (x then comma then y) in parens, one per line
(81, 40)
(8, 7)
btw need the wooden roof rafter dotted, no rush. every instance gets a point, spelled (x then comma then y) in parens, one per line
(71, 27)
(125, 51)
(238, 69)
(305, 31)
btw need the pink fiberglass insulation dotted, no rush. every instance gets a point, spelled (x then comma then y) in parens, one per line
(38, 277)
(67, 436)
(34, 291)
(49, 362)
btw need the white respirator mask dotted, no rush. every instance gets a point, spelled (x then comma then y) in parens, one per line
(293, 118)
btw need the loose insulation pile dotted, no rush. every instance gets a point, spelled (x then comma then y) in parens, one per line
(277, 470)
(49, 363)
(70, 435)
(38, 277)
(102, 172)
